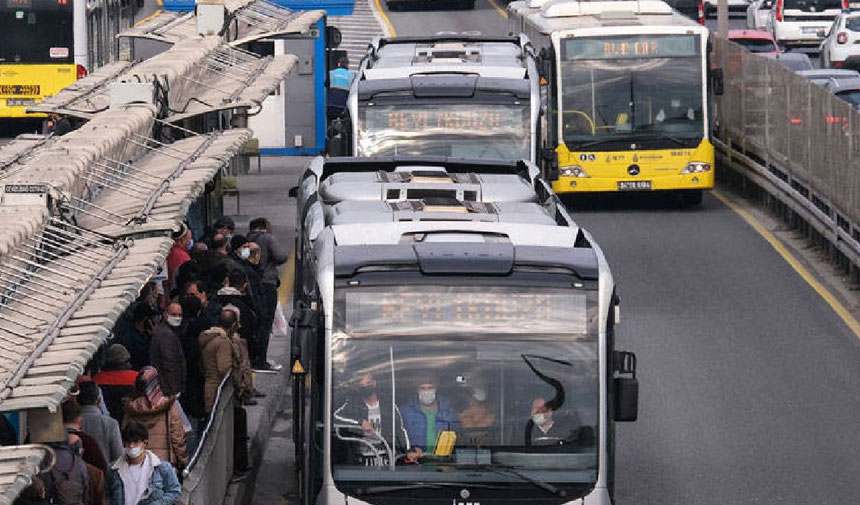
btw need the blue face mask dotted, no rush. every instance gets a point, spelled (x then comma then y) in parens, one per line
(190, 245)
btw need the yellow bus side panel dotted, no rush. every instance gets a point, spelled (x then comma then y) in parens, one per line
(31, 82)
(661, 167)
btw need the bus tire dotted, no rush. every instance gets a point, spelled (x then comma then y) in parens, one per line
(690, 197)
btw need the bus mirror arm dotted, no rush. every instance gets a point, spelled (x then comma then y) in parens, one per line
(550, 162)
(303, 324)
(717, 81)
(626, 386)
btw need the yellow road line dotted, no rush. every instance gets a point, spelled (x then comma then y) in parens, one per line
(771, 239)
(388, 23)
(147, 18)
(502, 12)
(288, 275)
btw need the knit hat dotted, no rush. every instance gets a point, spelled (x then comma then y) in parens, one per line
(117, 354)
(237, 241)
(224, 222)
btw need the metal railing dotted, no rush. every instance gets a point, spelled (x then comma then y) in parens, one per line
(795, 139)
(210, 468)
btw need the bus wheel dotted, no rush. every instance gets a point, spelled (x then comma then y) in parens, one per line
(690, 197)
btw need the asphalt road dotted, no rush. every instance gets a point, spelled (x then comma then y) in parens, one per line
(748, 378)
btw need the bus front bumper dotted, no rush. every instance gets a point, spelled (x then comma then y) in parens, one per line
(570, 184)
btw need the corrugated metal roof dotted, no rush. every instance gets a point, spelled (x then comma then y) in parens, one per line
(18, 465)
(155, 191)
(255, 20)
(118, 271)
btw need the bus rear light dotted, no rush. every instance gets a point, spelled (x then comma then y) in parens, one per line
(701, 12)
(696, 167)
(779, 10)
(846, 5)
(82, 72)
(841, 38)
(572, 171)
(837, 64)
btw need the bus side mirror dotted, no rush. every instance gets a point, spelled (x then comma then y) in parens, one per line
(717, 81)
(545, 61)
(626, 388)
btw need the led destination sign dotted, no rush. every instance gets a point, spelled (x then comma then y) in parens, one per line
(482, 310)
(631, 47)
(405, 119)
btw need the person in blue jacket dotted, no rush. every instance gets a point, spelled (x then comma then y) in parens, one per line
(426, 415)
(140, 477)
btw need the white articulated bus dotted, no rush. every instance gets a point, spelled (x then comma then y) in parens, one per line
(467, 288)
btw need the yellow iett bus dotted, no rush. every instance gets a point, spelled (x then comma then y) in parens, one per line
(48, 44)
(627, 95)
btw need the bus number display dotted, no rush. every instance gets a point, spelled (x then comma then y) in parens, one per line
(630, 47)
(19, 4)
(503, 312)
(420, 120)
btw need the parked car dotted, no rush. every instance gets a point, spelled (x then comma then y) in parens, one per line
(755, 41)
(758, 14)
(803, 22)
(792, 61)
(846, 89)
(822, 76)
(734, 5)
(841, 45)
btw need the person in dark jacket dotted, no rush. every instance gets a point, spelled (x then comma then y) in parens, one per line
(116, 380)
(224, 225)
(368, 410)
(272, 256)
(166, 353)
(141, 477)
(235, 293)
(137, 338)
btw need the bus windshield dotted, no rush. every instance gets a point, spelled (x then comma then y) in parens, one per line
(36, 31)
(477, 131)
(632, 91)
(513, 408)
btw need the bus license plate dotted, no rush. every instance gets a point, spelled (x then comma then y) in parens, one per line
(633, 185)
(19, 102)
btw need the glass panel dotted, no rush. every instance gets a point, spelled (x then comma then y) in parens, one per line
(657, 99)
(36, 31)
(853, 24)
(478, 131)
(530, 406)
(813, 5)
(757, 45)
(633, 46)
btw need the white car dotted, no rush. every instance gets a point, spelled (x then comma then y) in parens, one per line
(803, 22)
(734, 5)
(758, 14)
(841, 47)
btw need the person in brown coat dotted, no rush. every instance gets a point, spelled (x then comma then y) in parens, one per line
(161, 416)
(217, 359)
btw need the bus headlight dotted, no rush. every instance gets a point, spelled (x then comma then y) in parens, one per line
(696, 167)
(572, 171)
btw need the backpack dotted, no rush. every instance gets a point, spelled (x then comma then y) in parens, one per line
(67, 488)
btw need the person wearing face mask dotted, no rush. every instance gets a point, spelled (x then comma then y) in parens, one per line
(161, 415)
(426, 415)
(545, 428)
(368, 411)
(165, 350)
(223, 226)
(477, 418)
(141, 477)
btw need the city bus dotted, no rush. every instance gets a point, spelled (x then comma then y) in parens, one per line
(458, 96)
(479, 298)
(628, 97)
(48, 44)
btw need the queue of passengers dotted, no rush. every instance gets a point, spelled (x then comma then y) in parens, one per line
(135, 420)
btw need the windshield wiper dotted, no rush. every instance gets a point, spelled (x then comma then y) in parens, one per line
(508, 471)
(617, 138)
(664, 135)
(419, 485)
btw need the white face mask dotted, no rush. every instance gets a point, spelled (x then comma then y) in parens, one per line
(245, 253)
(427, 396)
(134, 452)
(479, 394)
(174, 321)
(539, 418)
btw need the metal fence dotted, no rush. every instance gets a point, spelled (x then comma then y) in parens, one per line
(208, 474)
(799, 135)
